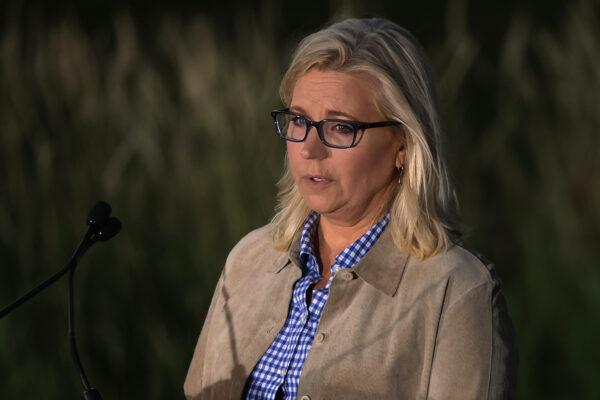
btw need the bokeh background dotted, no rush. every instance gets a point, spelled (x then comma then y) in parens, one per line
(163, 111)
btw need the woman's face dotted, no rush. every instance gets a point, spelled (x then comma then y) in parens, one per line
(345, 185)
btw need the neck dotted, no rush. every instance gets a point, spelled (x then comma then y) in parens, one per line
(335, 233)
(335, 236)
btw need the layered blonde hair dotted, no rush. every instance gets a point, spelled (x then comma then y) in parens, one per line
(423, 208)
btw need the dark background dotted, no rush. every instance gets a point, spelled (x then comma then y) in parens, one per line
(162, 110)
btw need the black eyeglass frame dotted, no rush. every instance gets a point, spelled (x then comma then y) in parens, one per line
(358, 127)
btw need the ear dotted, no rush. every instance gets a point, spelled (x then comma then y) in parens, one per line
(400, 155)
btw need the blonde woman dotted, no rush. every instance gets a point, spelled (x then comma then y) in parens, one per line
(359, 287)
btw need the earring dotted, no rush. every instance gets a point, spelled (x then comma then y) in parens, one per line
(400, 173)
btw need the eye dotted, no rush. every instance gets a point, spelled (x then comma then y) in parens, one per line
(343, 128)
(297, 120)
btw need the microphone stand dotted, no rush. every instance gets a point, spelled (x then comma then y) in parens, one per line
(101, 228)
(83, 246)
(90, 393)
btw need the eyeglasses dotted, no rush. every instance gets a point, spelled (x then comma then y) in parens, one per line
(337, 133)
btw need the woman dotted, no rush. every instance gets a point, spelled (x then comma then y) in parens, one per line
(359, 287)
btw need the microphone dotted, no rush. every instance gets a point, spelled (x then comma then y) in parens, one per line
(98, 215)
(102, 227)
(109, 230)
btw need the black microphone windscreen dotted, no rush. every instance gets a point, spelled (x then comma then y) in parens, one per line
(99, 214)
(112, 227)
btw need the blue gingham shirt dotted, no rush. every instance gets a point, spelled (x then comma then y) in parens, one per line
(281, 365)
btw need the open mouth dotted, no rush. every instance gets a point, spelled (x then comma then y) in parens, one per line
(318, 180)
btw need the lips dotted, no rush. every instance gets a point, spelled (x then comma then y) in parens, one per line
(318, 178)
(316, 182)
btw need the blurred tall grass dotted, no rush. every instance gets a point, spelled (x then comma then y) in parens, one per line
(176, 135)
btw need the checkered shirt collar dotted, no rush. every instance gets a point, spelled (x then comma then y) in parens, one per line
(350, 256)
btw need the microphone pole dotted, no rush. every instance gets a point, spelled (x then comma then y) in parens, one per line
(102, 227)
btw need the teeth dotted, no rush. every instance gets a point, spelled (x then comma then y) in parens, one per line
(317, 179)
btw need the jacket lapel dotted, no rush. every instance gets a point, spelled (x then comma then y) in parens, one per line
(383, 266)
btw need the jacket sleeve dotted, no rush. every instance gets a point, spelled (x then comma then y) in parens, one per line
(475, 355)
(193, 380)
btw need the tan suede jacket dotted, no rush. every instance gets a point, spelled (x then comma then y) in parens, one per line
(394, 327)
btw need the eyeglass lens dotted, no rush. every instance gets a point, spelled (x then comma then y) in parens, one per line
(336, 133)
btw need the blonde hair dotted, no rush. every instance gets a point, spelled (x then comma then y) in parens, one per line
(423, 208)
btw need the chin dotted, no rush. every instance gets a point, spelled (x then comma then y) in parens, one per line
(320, 206)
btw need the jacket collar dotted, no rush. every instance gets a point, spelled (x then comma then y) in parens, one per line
(382, 267)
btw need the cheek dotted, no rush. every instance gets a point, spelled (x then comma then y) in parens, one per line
(291, 154)
(293, 157)
(370, 170)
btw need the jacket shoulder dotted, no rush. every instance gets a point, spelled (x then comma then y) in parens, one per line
(256, 241)
(254, 252)
(462, 269)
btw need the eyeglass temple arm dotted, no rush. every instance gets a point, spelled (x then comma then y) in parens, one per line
(380, 124)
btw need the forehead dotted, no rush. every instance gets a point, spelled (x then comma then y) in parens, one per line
(322, 93)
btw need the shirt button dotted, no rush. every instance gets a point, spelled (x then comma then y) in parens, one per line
(347, 275)
(305, 397)
(282, 372)
(320, 337)
(303, 318)
(335, 269)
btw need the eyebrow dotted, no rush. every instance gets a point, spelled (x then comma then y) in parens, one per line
(332, 113)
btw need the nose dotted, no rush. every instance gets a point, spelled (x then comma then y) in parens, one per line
(312, 147)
